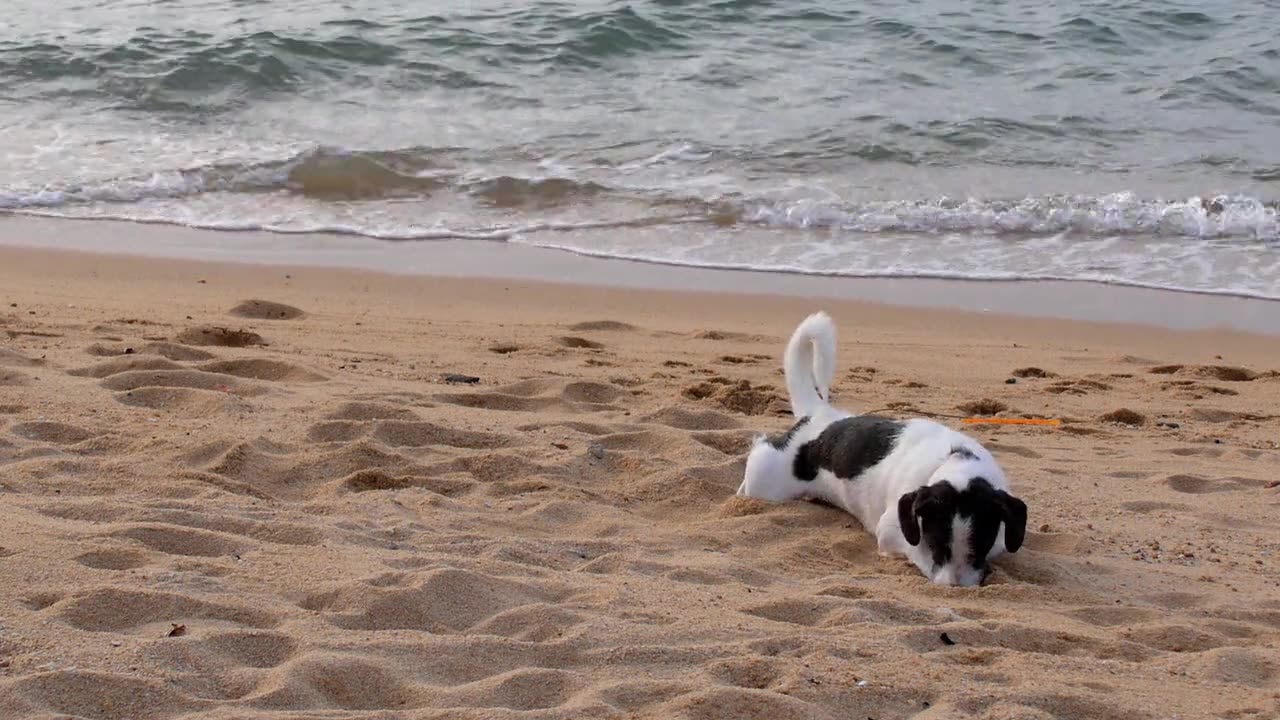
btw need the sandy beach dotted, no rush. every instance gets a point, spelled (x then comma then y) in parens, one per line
(235, 491)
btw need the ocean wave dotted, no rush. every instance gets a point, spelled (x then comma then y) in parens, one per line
(194, 71)
(335, 175)
(1118, 214)
(323, 174)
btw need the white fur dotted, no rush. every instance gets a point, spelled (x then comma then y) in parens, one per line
(810, 363)
(923, 455)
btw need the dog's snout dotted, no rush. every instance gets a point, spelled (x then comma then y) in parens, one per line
(959, 577)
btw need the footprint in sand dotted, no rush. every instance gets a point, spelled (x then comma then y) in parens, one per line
(724, 335)
(54, 433)
(753, 671)
(1192, 390)
(13, 378)
(232, 650)
(91, 694)
(603, 326)
(1174, 638)
(185, 390)
(183, 400)
(185, 378)
(1112, 616)
(1196, 485)
(1079, 386)
(14, 359)
(264, 369)
(361, 411)
(123, 364)
(578, 343)
(1238, 666)
(160, 384)
(174, 351)
(407, 433)
(265, 310)
(1225, 373)
(1145, 507)
(1019, 638)
(728, 443)
(41, 600)
(112, 559)
(806, 611)
(541, 395)
(1208, 451)
(375, 480)
(171, 351)
(1001, 449)
(1211, 415)
(258, 469)
(150, 612)
(338, 431)
(444, 601)
(737, 702)
(323, 681)
(188, 542)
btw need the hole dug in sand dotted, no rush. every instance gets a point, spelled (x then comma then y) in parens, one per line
(218, 336)
(985, 407)
(1124, 416)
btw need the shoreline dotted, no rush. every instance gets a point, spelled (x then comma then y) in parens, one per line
(1086, 301)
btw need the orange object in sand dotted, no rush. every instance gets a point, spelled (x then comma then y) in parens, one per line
(1011, 421)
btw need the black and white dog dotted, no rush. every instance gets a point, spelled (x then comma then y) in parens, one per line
(930, 493)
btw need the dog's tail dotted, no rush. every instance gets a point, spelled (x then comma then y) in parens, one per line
(810, 364)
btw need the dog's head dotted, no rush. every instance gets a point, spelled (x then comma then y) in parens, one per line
(955, 531)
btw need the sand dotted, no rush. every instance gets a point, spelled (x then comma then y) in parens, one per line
(249, 492)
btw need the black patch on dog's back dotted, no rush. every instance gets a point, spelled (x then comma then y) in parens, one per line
(964, 452)
(782, 440)
(846, 448)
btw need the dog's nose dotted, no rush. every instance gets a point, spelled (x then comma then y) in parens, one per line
(946, 576)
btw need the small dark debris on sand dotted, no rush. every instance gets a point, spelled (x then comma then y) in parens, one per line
(946, 639)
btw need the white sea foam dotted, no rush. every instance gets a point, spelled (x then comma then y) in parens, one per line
(1225, 244)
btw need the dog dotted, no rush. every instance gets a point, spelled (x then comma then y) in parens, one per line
(928, 492)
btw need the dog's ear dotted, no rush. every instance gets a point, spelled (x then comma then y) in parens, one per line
(907, 518)
(1015, 520)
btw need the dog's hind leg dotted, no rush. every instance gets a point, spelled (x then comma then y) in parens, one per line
(769, 476)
